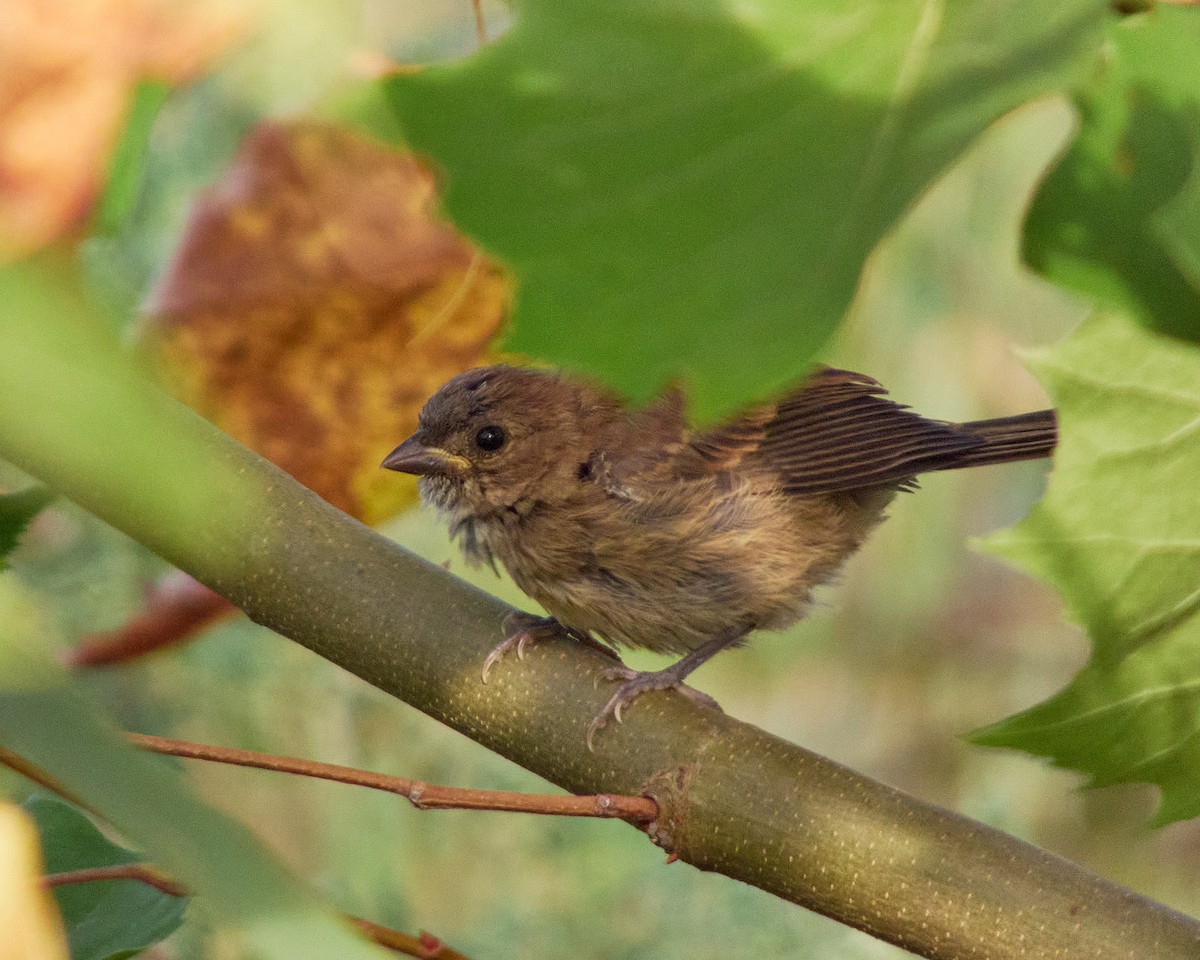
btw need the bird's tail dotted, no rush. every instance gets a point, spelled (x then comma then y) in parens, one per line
(1027, 436)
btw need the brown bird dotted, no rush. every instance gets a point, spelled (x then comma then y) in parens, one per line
(629, 526)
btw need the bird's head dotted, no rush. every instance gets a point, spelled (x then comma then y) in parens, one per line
(495, 437)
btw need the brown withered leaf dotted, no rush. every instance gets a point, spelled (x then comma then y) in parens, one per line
(317, 301)
(68, 69)
(173, 609)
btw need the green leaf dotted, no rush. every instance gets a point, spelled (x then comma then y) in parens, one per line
(128, 159)
(1118, 536)
(109, 919)
(1119, 220)
(16, 511)
(693, 187)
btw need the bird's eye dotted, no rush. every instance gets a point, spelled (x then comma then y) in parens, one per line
(489, 439)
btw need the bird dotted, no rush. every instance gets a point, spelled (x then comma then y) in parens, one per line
(633, 528)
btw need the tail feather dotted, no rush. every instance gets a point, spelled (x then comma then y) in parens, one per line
(1027, 436)
(839, 431)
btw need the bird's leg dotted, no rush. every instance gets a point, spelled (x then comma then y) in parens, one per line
(669, 678)
(523, 630)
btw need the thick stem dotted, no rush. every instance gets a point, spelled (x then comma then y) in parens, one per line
(733, 798)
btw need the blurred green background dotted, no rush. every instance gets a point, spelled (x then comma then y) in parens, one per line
(921, 641)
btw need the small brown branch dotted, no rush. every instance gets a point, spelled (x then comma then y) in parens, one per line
(120, 871)
(423, 796)
(14, 761)
(425, 947)
(480, 26)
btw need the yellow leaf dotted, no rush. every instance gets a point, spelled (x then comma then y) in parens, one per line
(32, 928)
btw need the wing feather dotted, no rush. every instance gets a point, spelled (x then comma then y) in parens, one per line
(838, 431)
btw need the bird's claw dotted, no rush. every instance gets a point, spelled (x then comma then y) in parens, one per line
(501, 650)
(523, 630)
(519, 642)
(634, 684)
(616, 702)
(595, 725)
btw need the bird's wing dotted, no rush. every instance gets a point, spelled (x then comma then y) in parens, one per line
(838, 431)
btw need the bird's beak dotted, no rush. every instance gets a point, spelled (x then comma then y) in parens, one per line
(414, 457)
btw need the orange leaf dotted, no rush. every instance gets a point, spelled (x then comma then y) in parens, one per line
(67, 71)
(316, 302)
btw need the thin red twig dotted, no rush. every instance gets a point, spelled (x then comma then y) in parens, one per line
(14, 761)
(120, 871)
(426, 946)
(423, 796)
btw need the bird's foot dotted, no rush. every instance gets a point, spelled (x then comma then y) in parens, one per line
(634, 684)
(523, 630)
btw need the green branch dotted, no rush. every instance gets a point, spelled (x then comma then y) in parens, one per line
(734, 799)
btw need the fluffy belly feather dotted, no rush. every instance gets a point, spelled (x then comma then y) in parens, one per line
(665, 576)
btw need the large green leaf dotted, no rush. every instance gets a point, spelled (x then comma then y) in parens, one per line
(105, 920)
(693, 187)
(1120, 219)
(1118, 536)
